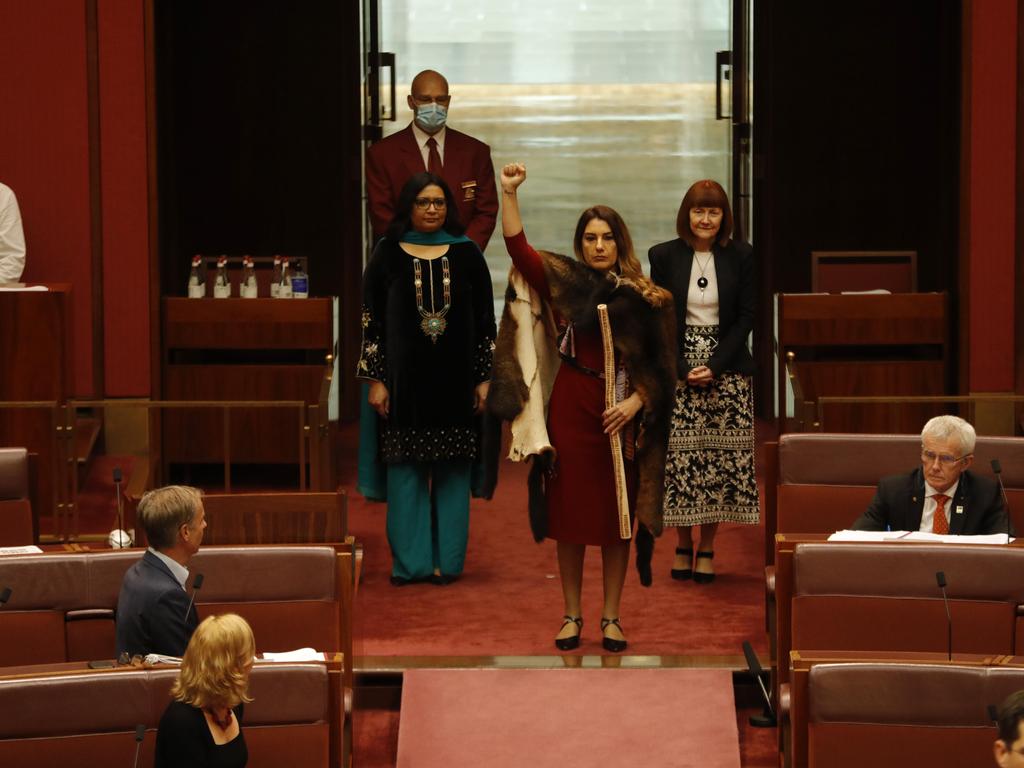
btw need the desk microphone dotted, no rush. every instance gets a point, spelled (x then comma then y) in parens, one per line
(767, 718)
(997, 470)
(940, 579)
(993, 713)
(140, 734)
(119, 538)
(197, 583)
(5, 595)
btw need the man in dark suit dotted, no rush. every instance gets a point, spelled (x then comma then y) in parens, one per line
(428, 144)
(154, 611)
(942, 496)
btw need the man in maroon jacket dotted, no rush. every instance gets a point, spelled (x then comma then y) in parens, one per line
(426, 144)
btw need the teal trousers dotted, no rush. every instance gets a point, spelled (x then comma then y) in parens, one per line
(428, 517)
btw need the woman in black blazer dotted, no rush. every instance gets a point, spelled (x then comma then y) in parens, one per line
(709, 473)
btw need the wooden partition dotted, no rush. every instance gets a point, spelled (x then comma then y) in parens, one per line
(875, 344)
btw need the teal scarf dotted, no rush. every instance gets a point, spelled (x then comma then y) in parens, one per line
(440, 237)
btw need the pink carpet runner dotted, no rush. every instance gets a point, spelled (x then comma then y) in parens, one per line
(557, 718)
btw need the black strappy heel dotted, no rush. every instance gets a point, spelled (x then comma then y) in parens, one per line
(684, 574)
(573, 642)
(608, 643)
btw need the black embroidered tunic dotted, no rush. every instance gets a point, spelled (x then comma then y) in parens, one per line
(430, 381)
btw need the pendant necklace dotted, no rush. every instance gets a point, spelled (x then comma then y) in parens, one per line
(702, 282)
(433, 322)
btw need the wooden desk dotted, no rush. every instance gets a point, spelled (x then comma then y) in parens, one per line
(37, 351)
(874, 344)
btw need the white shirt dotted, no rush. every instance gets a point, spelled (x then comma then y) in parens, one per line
(180, 571)
(12, 237)
(928, 513)
(702, 306)
(421, 140)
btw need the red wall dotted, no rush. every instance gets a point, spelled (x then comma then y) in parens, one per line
(44, 158)
(125, 212)
(44, 151)
(991, 101)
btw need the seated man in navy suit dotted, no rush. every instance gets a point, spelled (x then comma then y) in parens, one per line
(942, 495)
(154, 611)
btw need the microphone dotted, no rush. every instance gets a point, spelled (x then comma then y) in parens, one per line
(997, 470)
(197, 583)
(5, 595)
(940, 579)
(119, 538)
(140, 734)
(767, 718)
(993, 713)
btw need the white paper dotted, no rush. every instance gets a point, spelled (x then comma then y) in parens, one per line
(159, 658)
(30, 549)
(992, 538)
(869, 292)
(20, 288)
(301, 654)
(867, 535)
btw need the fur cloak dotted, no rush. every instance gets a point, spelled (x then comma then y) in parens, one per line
(643, 331)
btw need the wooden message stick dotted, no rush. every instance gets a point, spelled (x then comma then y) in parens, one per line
(618, 465)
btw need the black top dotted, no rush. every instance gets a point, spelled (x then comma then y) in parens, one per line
(976, 509)
(183, 740)
(430, 382)
(671, 263)
(151, 611)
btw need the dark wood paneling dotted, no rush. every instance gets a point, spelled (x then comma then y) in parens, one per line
(248, 324)
(856, 141)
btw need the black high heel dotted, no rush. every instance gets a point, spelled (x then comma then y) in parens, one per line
(683, 574)
(608, 643)
(703, 578)
(572, 642)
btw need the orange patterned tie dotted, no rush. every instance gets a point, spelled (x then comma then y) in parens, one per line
(939, 522)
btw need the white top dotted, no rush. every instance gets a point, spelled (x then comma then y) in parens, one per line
(702, 306)
(12, 237)
(421, 140)
(180, 571)
(928, 513)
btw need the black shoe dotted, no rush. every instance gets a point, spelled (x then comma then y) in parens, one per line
(615, 646)
(443, 579)
(683, 574)
(703, 578)
(573, 642)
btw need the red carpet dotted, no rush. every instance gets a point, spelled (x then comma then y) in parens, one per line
(509, 602)
(541, 718)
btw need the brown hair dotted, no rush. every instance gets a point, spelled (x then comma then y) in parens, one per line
(704, 194)
(162, 511)
(215, 668)
(627, 264)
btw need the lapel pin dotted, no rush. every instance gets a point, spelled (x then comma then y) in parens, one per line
(959, 509)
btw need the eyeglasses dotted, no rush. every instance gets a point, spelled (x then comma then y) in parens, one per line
(944, 458)
(442, 100)
(423, 203)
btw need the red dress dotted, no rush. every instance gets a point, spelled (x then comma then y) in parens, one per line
(581, 496)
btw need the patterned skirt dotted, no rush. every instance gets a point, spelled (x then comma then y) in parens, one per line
(709, 472)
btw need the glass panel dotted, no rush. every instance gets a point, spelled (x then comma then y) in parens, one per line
(606, 102)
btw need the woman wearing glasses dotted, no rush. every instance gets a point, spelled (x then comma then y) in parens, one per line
(709, 473)
(428, 336)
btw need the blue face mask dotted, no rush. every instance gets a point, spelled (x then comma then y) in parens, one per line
(431, 117)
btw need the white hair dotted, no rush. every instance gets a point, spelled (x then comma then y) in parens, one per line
(945, 427)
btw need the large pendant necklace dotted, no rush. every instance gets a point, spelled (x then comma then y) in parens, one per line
(702, 282)
(433, 322)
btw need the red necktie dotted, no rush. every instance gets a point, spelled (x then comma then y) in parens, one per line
(939, 522)
(433, 157)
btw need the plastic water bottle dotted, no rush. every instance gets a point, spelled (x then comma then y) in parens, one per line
(300, 282)
(275, 278)
(196, 279)
(285, 289)
(221, 283)
(249, 289)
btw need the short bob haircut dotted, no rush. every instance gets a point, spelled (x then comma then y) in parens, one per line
(945, 427)
(1011, 712)
(704, 194)
(401, 222)
(215, 668)
(163, 511)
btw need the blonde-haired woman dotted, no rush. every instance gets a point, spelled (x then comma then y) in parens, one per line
(203, 725)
